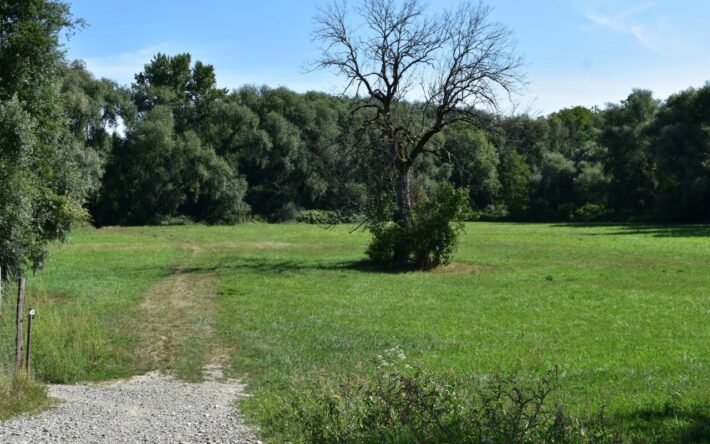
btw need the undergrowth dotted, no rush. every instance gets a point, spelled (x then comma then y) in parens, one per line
(20, 393)
(402, 403)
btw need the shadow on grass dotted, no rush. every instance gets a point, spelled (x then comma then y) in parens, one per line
(656, 230)
(265, 265)
(670, 423)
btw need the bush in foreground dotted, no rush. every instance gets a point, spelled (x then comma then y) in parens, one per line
(405, 404)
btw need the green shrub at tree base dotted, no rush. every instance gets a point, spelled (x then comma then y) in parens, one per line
(430, 242)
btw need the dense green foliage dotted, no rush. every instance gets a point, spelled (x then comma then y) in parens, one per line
(174, 144)
(167, 164)
(621, 310)
(680, 145)
(430, 241)
(195, 150)
(45, 172)
(191, 149)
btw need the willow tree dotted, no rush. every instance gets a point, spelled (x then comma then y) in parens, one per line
(453, 65)
(44, 172)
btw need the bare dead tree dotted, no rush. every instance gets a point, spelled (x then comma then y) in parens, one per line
(453, 64)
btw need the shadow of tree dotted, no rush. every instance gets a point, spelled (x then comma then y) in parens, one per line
(670, 423)
(272, 266)
(656, 230)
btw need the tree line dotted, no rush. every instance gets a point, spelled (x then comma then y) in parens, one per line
(190, 149)
(175, 146)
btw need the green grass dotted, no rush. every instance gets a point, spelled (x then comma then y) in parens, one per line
(86, 301)
(623, 311)
(20, 394)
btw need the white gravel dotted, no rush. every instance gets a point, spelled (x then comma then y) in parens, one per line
(147, 409)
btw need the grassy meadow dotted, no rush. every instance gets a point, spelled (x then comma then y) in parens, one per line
(622, 311)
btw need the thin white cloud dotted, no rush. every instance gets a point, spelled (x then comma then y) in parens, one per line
(123, 67)
(627, 22)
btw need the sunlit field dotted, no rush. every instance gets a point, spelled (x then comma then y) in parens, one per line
(622, 311)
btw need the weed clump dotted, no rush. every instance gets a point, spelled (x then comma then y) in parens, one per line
(20, 393)
(403, 403)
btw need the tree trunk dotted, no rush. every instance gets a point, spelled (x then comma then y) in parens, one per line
(404, 214)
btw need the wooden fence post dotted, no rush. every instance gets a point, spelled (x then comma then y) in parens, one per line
(20, 313)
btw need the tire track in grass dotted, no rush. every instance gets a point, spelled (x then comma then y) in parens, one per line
(177, 323)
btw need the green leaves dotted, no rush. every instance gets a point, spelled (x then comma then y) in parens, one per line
(42, 178)
(681, 151)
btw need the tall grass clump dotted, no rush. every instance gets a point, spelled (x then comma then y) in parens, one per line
(72, 343)
(402, 403)
(69, 344)
(20, 393)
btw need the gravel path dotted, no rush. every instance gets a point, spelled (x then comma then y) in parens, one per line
(146, 409)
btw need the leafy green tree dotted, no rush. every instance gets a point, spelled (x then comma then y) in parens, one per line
(554, 185)
(95, 109)
(591, 184)
(176, 158)
(155, 173)
(300, 153)
(475, 165)
(42, 170)
(625, 135)
(189, 91)
(515, 179)
(214, 191)
(565, 159)
(273, 191)
(525, 135)
(570, 130)
(93, 106)
(681, 153)
(142, 183)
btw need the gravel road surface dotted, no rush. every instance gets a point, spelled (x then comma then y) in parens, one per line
(147, 409)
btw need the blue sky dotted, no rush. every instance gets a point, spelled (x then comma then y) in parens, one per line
(577, 52)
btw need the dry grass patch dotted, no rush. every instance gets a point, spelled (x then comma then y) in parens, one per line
(257, 245)
(459, 268)
(177, 328)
